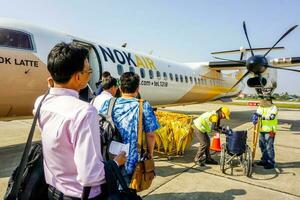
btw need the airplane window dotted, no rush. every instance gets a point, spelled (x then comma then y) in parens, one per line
(151, 74)
(191, 79)
(186, 79)
(120, 69)
(165, 76)
(158, 74)
(131, 69)
(171, 76)
(181, 78)
(15, 39)
(142, 71)
(176, 77)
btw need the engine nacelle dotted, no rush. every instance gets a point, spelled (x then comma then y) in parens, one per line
(266, 85)
(256, 82)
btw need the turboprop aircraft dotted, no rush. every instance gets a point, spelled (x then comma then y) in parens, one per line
(23, 71)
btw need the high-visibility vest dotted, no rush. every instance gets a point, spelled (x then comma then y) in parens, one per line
(268, 125)
(204, 121)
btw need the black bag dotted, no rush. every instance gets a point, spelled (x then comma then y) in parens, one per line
(33, 184)
(108, 130)
(27, 180)
(113, 179)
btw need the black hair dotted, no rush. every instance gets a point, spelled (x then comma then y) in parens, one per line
(129, 82)
(64, 60)
(109, 82)
(105, 74)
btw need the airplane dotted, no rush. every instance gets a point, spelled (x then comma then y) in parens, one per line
(23, 70)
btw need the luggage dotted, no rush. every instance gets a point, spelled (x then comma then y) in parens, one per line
(143, 174)
(108, 131)
(236, 142)
(27, 181)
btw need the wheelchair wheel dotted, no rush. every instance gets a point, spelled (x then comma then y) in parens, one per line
(223, 158)
(247, 162)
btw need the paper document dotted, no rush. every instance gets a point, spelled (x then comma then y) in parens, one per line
(116, 147)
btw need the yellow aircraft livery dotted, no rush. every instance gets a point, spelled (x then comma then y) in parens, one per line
(23, 73)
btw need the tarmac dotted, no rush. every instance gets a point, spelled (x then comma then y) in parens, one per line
(178, 177)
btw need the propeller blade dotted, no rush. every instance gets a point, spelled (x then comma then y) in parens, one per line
(283, 36)
(282, 68)
(239, 50)
(245, 30)
(242, 56)
(246, 74)
(237, 61)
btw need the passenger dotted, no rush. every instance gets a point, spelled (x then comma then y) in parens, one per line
(110, 88)
(99, 89)
(69, 128)
(267, 112)
(125, 116)
(204, 125)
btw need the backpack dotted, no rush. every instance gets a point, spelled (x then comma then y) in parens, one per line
(108, 130)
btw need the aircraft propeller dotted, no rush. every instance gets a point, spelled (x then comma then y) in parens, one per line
(257, 64)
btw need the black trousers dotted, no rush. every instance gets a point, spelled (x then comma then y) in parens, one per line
(204, 141)
(54, 194)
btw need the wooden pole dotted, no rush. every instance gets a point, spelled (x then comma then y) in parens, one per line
(256, 131)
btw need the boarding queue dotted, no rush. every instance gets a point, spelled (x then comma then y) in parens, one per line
(72, 161)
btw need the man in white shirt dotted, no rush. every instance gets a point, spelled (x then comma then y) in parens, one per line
(110, 88)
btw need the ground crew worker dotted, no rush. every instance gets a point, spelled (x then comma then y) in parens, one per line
(267, 112)
(204, 125)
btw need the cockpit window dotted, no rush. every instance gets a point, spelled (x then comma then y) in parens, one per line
(15, 39)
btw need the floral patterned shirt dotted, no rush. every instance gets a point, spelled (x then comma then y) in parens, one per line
(125, 116)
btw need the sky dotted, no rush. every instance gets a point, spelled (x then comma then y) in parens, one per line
(180, 30)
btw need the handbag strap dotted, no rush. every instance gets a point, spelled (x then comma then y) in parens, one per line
(140, 128)
(111, 105)
(119, 177)
(16, 187)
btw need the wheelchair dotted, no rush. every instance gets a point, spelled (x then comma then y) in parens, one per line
(236, 150)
